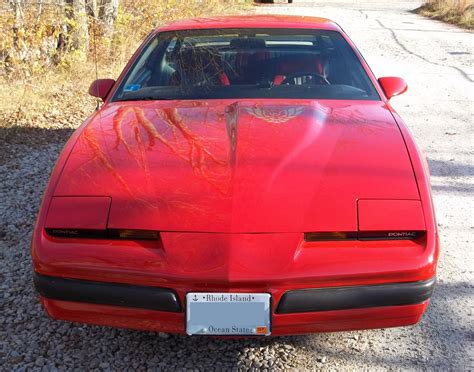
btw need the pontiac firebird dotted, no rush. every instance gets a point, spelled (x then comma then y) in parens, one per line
(243, 173)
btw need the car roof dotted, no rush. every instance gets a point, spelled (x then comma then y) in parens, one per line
(252, 21)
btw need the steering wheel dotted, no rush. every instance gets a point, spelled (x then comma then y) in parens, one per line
(290, 79)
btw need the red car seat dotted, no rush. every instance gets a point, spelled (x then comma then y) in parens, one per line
(249, 52)
(308, 64)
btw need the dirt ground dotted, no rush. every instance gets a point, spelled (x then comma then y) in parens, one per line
(437, 61)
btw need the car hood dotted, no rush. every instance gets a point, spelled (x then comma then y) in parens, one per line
(239, 166)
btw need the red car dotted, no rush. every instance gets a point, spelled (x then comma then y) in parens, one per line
(244, 176)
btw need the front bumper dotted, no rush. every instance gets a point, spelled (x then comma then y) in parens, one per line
(113, 294)
(283, 265)
(297, 311)
(355, 297)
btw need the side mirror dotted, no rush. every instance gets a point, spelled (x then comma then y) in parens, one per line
(393, 86)
(101, 87)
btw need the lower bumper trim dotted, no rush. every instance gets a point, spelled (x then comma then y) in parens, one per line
(103, 293)
(355, 297)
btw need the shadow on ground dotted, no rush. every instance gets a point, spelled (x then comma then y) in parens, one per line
(450, 176)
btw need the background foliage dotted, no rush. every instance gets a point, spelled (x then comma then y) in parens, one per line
(460, 12)
(48, 50)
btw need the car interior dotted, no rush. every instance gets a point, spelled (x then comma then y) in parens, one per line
(259, 60)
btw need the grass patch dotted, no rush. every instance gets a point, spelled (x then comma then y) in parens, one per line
(458, 12)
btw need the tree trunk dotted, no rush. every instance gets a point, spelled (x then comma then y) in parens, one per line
(16, 4)
(76, 11)
(91, 7)
(108, 14)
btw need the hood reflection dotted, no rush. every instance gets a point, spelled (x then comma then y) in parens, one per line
(239, 166)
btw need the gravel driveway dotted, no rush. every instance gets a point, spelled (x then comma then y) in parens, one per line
(437, 61)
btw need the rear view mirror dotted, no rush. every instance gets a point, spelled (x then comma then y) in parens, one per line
(101, 87)
(393, 86)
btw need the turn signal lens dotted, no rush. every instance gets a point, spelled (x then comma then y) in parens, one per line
(138, 234)
(105, 234)
(336, 235)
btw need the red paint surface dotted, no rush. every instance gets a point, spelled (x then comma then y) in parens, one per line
(261, 21)
(394, 215)
(393, 86)
(282, 324)
(232, 186)
(101, 87)
(72, 212)
(251, 166)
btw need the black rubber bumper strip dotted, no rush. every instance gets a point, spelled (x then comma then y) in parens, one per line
(355, 297)
(103, 293)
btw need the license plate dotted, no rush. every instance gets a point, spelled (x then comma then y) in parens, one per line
(228, 314)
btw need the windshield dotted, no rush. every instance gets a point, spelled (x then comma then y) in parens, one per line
(247, 63)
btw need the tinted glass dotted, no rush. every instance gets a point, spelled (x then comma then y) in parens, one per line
(247, 63)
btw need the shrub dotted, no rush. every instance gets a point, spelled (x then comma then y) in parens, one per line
(460, 12)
